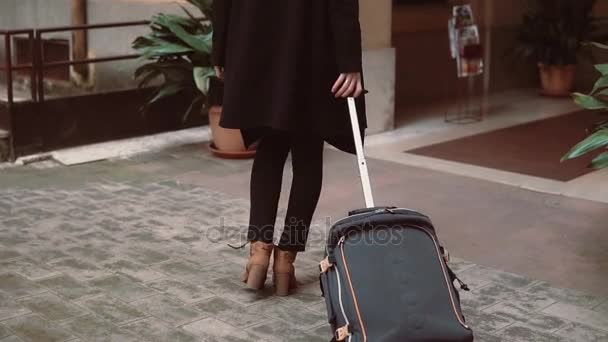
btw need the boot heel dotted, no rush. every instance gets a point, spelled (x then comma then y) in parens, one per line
(282, 282)
(257, 277)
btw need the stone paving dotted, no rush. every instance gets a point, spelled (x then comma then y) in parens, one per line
(99, 253)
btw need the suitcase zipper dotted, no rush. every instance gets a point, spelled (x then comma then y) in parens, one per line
(447, 278)
(342, 303)
(338, 278)
(378, 211)
(352, 290)
(355, 215)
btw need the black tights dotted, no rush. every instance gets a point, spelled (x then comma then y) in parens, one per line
(266, 180)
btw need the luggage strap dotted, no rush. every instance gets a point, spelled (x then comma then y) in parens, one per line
(446, 255)
(343, 333)
(325, 265)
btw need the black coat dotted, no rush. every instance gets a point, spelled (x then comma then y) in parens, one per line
(281, 59)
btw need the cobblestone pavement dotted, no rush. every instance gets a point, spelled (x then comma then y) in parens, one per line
(99, 253)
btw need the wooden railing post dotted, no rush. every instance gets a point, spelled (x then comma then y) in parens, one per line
(79, 38)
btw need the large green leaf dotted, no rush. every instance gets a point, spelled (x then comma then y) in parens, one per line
(142, 42)
(206, 39)
(179, 64)
(600, 161)
(600, 84)
(603, 68)
(160, 30)
(196, 105)
(154, 47)
(162, 20)
(589, 102)
(145, 69)
(146, 78)
(151, 40)
(159, 51)
(175, 71)
(158, 38)
(592, 143)
(197, 42)
(167, 91)
(202, 76)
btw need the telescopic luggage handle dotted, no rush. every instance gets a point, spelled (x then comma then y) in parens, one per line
(363, 172)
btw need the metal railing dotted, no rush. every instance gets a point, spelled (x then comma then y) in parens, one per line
(43, 65)
(39, 65)
(9, 69)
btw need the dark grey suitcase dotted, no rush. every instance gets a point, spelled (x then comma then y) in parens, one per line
(385, 277)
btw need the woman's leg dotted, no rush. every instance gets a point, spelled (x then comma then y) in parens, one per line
(307, 162)
(266, 180)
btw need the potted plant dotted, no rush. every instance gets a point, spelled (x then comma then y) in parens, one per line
(596, 100)
(552, 34)
(177, 54)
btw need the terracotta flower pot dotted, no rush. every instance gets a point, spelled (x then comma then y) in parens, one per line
(227, 143)
(557, 80)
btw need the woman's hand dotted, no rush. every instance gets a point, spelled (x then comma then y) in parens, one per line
(348, 85)
(219, 72)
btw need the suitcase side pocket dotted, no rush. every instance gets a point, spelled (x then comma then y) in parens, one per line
(331, 314)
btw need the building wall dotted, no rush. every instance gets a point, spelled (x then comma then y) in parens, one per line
(376, 16)
(7, 20)
(378, 63)
(40, 13)
(6, 8)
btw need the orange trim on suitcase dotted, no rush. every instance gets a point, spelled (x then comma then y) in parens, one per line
(352, 289)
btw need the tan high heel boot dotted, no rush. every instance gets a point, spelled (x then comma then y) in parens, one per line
(257, 267)
(284, 275)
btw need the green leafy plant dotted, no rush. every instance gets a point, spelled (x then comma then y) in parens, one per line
(177, 52)
(553, 31)
(596, 100)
